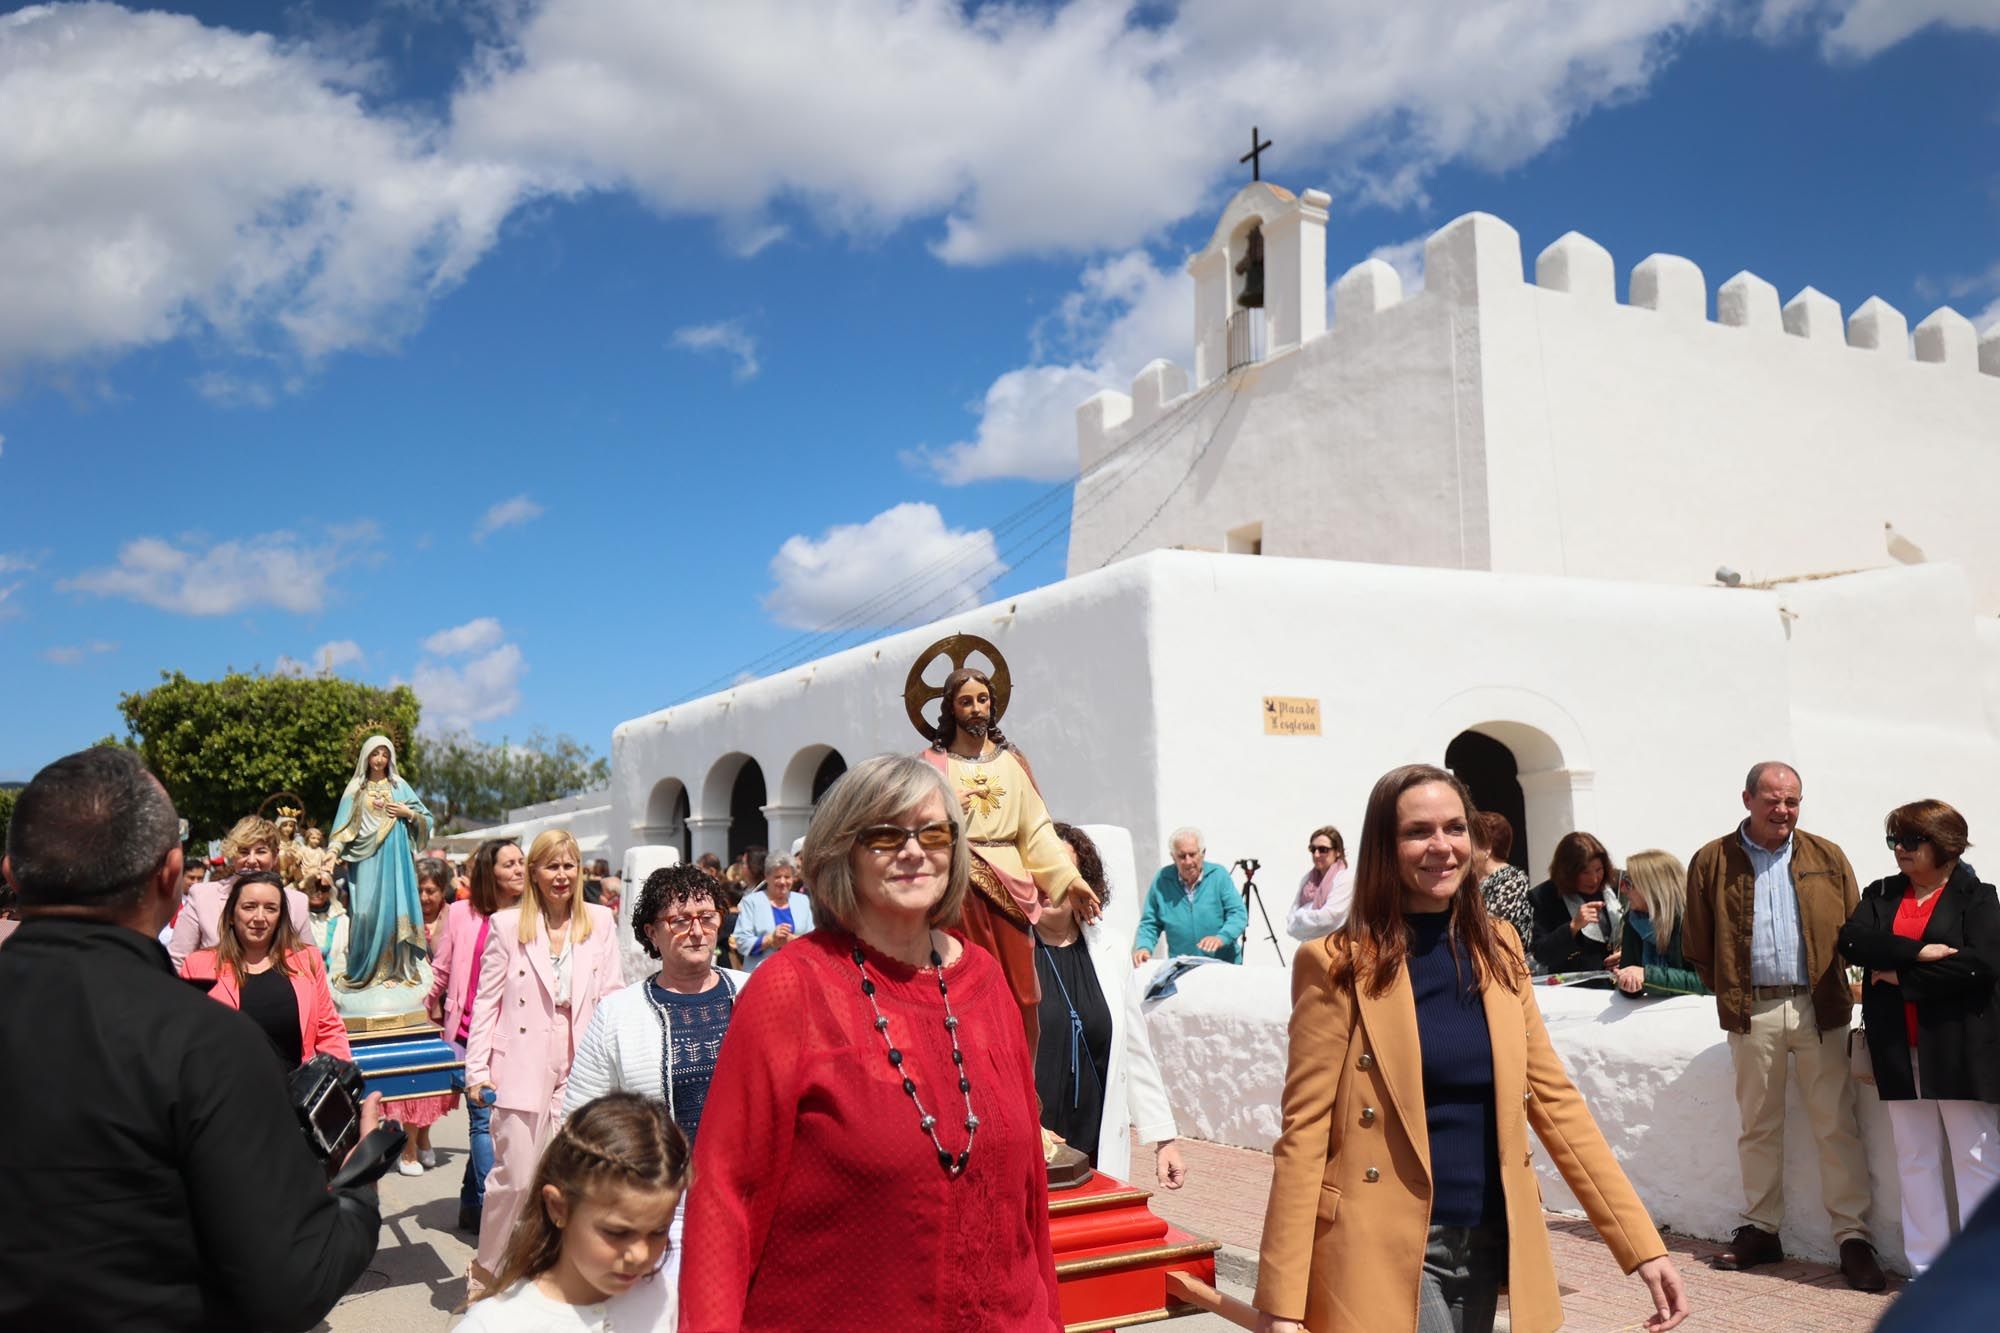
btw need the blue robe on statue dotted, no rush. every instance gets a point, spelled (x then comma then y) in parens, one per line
(385, 933)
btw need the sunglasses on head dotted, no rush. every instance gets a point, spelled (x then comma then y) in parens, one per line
(891, 837)
(1909, 842)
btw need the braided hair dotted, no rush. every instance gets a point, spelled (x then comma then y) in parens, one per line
(620, 1140)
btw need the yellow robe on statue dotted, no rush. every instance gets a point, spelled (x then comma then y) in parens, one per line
(1010, 829)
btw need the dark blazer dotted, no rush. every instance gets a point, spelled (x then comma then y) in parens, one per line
(1958, 1019)
(1554, 948)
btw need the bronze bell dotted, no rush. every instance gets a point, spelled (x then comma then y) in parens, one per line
(1251, 269)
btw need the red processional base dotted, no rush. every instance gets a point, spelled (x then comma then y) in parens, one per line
(1119, 1265)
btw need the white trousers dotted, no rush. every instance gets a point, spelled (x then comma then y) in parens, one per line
(1923, 1128)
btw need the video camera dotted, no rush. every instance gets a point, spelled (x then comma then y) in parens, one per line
(326, 1093)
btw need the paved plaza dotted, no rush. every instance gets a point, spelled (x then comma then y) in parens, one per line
(418, 1277)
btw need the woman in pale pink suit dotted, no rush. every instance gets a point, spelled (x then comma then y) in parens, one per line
(547, 963)
(499, 874)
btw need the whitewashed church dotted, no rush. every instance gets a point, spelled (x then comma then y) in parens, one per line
(1597, 556)
(1481, 524)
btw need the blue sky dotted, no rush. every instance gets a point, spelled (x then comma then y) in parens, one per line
(564, 358)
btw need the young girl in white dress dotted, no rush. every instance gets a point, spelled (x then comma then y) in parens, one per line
(585, 1253)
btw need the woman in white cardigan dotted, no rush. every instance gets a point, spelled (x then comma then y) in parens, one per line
(1095, 1055)
(661, 1038)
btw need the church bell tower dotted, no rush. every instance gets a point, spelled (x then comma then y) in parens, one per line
(1260, 283)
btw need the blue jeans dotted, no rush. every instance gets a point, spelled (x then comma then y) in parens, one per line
(479, 1161)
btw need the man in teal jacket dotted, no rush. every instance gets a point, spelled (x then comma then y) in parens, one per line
(1196, 903)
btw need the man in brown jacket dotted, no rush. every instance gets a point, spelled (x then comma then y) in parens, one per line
(1765, 904)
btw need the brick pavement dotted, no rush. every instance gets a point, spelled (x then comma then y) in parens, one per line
(1224, 1200)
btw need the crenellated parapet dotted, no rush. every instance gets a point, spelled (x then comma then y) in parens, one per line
(1476, 258)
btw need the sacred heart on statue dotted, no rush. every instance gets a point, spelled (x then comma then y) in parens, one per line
(984, 793)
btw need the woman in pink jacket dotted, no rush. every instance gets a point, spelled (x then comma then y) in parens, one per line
(498, 873)
(546, 965)
(261, 967)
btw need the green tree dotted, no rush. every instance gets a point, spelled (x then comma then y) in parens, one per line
(221, 746)
(468, 780)
(7, 795)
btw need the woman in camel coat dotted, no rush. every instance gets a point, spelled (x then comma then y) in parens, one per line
(1402, 1196)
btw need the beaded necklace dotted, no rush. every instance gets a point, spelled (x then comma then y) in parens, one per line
(927, 1122)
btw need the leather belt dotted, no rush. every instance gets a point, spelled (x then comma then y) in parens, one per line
(1778, 992)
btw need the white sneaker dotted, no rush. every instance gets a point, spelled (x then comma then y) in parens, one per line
(428, 1156)
(408, 1167)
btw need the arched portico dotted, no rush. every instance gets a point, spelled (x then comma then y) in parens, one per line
(1552, 764)
(666, 820)
(812, 770)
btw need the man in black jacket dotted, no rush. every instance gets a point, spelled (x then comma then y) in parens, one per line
(153, 1173)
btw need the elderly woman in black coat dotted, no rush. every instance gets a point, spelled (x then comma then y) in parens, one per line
(1930, 939)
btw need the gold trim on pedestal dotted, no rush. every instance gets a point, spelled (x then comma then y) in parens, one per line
(375, 1025)
(1127, 1320)
(1111, 1263)
(1091, 1203)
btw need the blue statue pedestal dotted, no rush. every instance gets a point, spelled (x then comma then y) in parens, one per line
(402, 1056)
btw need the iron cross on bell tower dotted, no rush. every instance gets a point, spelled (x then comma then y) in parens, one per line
(1256, 151)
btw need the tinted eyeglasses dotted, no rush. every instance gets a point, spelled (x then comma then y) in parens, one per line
(1320, 848)
(1909, 842)
(886, 838)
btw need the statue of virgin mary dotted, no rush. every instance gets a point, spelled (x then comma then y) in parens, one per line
(379, 824)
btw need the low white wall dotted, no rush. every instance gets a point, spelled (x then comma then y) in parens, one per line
(1655, 1073)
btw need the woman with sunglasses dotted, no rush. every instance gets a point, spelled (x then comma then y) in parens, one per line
(1929, 936)
(1326, 890)
(872, 1140)
(660, 1038)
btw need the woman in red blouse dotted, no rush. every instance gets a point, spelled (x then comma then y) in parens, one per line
(872, 1143)
(1930, 937)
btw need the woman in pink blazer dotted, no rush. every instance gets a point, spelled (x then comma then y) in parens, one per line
(261, 967)
(547, 963)
(498, 873)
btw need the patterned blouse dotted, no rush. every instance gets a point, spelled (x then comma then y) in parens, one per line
(1506, 895)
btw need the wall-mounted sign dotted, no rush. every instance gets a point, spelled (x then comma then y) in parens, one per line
(1290, 717)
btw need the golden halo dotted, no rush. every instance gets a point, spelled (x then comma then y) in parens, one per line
(956, 648)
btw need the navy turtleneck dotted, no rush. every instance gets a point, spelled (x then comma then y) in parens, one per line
(1458, 1078)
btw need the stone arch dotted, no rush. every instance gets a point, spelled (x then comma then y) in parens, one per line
(667, 811)
(806, 779)
(720, 784)
(1552, 767)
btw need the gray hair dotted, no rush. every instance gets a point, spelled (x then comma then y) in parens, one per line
(90, 830)
(1757, 772)
(877, 791)
(1183, 834)
(780, 861)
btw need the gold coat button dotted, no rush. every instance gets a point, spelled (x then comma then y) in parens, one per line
(1366, 1061)
(1367, 1115)
(1371, 1175)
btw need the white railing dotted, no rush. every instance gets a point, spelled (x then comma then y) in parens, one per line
(1246, 337)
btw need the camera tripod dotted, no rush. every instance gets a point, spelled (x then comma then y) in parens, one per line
(1250, 866)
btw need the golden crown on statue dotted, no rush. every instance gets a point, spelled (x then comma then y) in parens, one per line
(290, 812)
(375, 727)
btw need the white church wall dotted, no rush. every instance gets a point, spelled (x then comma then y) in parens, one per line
(1647, 702)
(1630, 442)
(1346, 447)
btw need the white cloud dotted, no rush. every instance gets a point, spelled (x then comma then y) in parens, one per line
(474, 636)
(820, 580)
(8, 610)
(324, 660)
(1987, 320)
(507, 514)
(15, 564)
(166, 178)
(1031, 128)
(1407, 258)
(479, 690)
(1858, 29)
(1125, 312)
(727, 336)
(278, 569)
(72, 654)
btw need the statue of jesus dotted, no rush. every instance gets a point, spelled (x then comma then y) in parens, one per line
(1016, 855)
